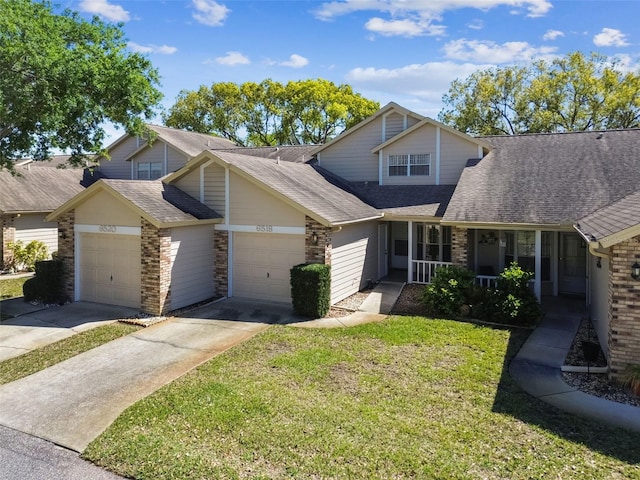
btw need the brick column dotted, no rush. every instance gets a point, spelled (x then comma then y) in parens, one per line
(624, 307)
(155, 269)
(320, 250)
(7, 235)
(67, 252)
(459, 246)
(221, 263)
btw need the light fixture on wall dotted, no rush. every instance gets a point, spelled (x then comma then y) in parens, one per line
(635, 271)
(314, 238)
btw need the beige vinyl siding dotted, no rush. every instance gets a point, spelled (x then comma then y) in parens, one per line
(104, 209)
(420, 141)
(153, 154)
(394, 124)
(214, 188)
(190, 183)
(31, 227)
(351, 157)
(411, 121)
(118, 167)
(599, 284)
(175, 160)
(191, 265)
(354, 259)
(454, 153)
(250, 205)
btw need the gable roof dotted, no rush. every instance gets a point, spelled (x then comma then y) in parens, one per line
(286, 153)
(39, 187)
(160, 204)
(614, 223)
(391, 106)
(188, 143)
(298, 184)
(547, 179)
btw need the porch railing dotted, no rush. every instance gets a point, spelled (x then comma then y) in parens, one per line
(488, 281)
(423, 271)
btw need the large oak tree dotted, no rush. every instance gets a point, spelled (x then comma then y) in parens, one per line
(62, 78)
(271, 113)
(571, 93)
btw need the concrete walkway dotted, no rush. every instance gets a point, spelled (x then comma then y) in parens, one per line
(536, 369)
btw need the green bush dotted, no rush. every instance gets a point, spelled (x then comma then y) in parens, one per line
(512, 301)
(311, 289)
(450, 290)
(24, 257)
(46, 286)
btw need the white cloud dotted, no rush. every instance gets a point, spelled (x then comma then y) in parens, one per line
(476, 24)
(404, 28)
(610, 37)
(487, 51)
(233, 58)
(210, 12)
(295, 61)
(104, 9)
(552, 34)
(162, 49)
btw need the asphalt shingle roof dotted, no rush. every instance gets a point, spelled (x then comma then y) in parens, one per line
(286, 153)
(305, 186)
(191, 143)
(547, 179)
(164, 203)
(38, 187)
(612, 219)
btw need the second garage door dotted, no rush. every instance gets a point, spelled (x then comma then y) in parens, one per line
(261, 265)
(110, 269)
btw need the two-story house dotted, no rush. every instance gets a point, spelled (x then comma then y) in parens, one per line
(397, 191)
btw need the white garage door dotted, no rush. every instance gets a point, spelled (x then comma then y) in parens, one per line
(191, 265)
(110, 269)
(261, 265)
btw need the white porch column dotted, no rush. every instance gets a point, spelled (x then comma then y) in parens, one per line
(537, 286)
(410, 252)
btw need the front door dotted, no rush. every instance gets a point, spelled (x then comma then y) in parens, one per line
(383, 247)
(573, 264)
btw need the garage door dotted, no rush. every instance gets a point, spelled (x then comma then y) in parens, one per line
(261, 265)
(110, 269)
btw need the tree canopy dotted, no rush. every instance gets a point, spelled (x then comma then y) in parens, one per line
(62, 78)
(571, 93)
(270, 113)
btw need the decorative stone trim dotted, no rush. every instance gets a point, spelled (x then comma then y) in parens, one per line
(155, 269)
(459, 246)
(67, 252)
(317, 251)
(624, 307)
(7, 235)
(221, 263)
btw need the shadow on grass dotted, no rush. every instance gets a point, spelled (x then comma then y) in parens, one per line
(512, 400)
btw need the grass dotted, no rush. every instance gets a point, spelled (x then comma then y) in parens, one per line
(405, 398)
(31, 362)
(11, 287)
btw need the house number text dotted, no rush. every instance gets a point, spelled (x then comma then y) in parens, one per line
(107, 228)
(264, 228)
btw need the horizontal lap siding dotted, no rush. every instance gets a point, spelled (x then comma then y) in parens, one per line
(454, 153)
(190, 184)
(192, 262)
(354, 259)
(422, 140)
(214, 188)
(175, 160)
(118, 167)
(33, 227)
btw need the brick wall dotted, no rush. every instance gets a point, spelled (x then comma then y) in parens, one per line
(624, 307)
(67, 252)
(221, 263)
(155, 269)
(459, 246)
(7, 234)
(320, 250)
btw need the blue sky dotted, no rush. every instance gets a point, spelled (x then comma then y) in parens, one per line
(407, 51)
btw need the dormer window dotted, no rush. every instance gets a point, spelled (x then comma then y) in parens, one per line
(409, 165)
(149, 170)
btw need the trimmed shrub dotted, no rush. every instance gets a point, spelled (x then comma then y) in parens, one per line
(24, 257)
(311, 289)
(46, 286)
(450, 290)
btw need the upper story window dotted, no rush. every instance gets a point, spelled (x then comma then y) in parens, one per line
(149, 170)
(409, 165)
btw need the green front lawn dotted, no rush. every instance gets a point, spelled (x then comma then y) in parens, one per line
(11, 287)
(406, 398)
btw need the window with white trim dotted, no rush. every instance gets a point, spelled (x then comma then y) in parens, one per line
(149, 170)
(409, 165)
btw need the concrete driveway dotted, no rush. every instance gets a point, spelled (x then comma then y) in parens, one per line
(72, 402)
(34, 326)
